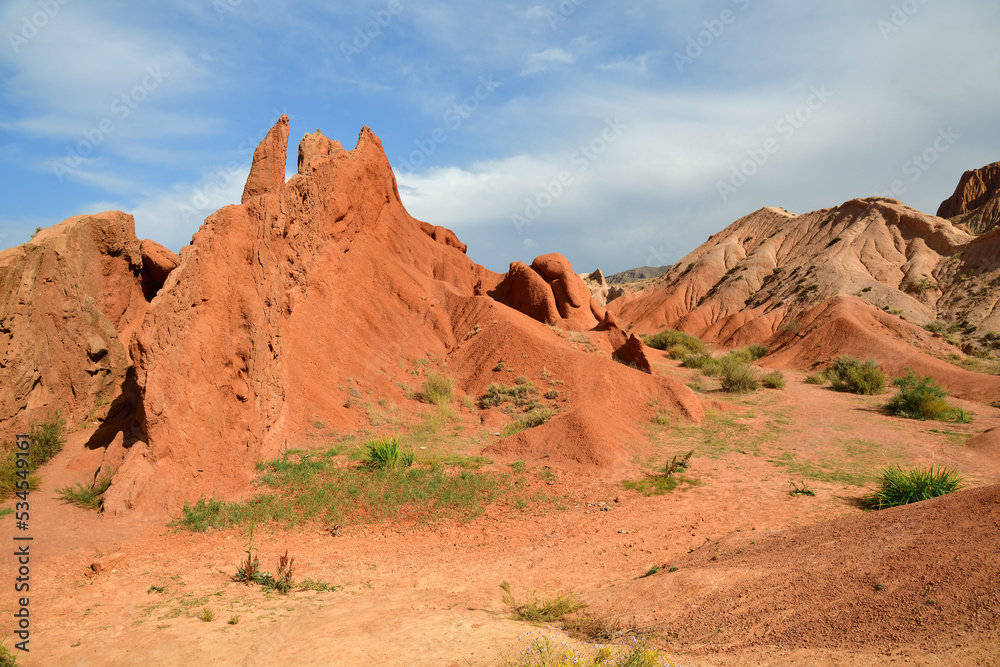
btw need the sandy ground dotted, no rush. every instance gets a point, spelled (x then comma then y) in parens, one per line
(430, 595)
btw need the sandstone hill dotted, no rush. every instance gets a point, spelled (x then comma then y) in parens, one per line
(275, 308)
(976, 202)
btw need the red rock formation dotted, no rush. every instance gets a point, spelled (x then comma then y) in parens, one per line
(976, 201)
(324, 281)
(267, 174)
(158, 261)
(67, 297)
(550, 292)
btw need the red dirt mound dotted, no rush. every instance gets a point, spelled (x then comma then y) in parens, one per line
(326, 281)
(70, 299)
(847, 325)
(921, 574)
(550, 292)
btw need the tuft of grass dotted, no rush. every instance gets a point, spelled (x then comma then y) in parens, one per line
(86, 495)
(773, 380)
(658, 485)
(437, 390)
(384, 453)
(899, 487)
(498, 394)
(800, 489)
(207, 615)
(47, 439)
(921, 398)
(852, 375)
(530, 419)
(234, 619)
(699, 361)
(670, 338)
(541, 610)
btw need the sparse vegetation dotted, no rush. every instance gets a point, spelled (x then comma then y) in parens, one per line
(207, 615)
(669, 338)
(817, 378)
(498, 394)
(800, 489)
(899, 487)
(922, 398)
(541, 610)
(632, 652)
(852, 375)
(737, 376)
(530, 419)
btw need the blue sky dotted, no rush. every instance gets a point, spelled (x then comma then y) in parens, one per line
(619, 134)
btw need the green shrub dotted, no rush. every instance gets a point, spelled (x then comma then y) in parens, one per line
(384, 453)
(899, 487)
(773, 380)
(498, 394)
(698, 361)
(919, 398)
(756, 351)
(679, 352)
(737, 376)
(438, 390)
(850, 374)
(668, 338)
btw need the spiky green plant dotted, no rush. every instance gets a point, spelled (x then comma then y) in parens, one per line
(385, 453)
(901, 487)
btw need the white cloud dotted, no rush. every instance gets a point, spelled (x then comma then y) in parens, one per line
(543, 60)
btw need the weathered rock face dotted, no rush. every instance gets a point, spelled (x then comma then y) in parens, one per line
(976, 201)
(158, 261)
(274, 303)
(69, 299)
(550, 292)
(756, 276)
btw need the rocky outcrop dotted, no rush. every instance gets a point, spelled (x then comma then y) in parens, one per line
(69, 299)
(267, 173)
(550, 292)
(976, 201)
(158, 261)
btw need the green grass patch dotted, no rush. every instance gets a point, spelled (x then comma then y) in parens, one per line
(817, 378)
(385, 453)
(658, 485)
(852, 375)
(498, 395)
(47, 439)
(737, 376)
(849, 462)
(326, 487)
(902, 487)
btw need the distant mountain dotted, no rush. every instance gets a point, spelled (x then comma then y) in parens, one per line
(641, 273)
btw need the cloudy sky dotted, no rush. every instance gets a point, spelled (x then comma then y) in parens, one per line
(620, 134)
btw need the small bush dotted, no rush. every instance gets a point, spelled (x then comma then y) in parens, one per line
(850, 374)
(545, 610)
(679, 352)
(698, 361)
(47, 439)
(738, 377)
(756, 351)
(668, 338)
(498, 394)
(817, 378)
(384, 453)
(899, 487)
(773, 380)
(438, 390)
(919, 398)
(207, 615)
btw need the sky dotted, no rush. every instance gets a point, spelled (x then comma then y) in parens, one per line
(619, 134)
